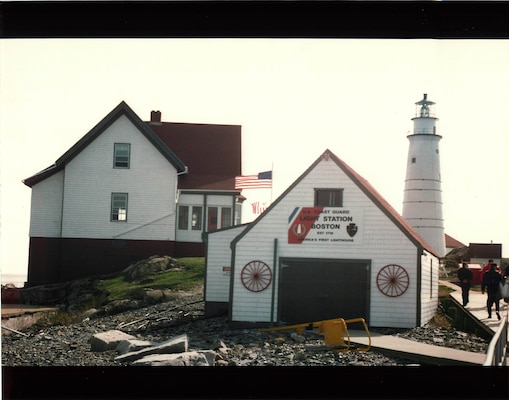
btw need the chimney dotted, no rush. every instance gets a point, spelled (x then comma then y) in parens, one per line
(155, 117)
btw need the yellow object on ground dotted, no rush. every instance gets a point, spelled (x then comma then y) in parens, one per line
(334, 331)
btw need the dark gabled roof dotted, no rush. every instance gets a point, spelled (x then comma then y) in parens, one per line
(485, 250)
(212, 153)
(369, 190)
(121, 109)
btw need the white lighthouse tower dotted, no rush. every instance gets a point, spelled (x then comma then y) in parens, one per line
(422, 202)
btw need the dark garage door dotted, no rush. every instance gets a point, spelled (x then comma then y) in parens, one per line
(315, 290)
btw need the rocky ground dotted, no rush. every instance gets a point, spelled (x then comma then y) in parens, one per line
(68, 344)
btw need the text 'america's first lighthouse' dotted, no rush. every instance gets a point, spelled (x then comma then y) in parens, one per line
(422, 202)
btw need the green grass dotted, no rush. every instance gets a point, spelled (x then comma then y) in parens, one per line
(444, 291)
(190, 275)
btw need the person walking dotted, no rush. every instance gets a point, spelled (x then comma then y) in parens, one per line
(487, 267)
(465, 277)
(491, 281)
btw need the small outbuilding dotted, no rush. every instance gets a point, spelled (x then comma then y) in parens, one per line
(329, 247)
(483, 252)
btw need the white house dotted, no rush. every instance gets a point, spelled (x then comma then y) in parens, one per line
(329, 247)
(130, 189)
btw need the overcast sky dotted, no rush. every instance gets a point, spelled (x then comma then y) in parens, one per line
(293, 98)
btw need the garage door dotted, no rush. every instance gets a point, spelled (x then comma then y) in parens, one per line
(314, 290)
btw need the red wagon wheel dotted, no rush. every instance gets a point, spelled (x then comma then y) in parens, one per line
(256, 276)
(392, 280)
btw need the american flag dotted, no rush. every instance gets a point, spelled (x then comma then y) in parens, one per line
(259, 181)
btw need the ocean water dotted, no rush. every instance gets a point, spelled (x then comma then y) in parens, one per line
(17, 279)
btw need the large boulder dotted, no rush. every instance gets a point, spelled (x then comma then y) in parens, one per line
(149, 266)
(70, 296)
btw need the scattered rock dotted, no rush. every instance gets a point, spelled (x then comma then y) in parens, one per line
(108, 340)
(119, 306)
(68, 345)
(133, 345)
(153, 296)
(89, 313)
(177, 344)
(298, 338)
(192, 359)
(448, 337)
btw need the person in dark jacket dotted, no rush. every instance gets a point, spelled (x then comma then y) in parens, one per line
(465, 277)
(491, 281)
(487, 267)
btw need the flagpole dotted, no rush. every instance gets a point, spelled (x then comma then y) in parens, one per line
(271, 186)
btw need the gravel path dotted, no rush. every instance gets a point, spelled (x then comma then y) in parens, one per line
(68, 345)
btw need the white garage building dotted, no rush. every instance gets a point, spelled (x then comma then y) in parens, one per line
(329, 247)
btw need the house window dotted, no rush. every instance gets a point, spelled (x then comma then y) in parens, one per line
(119, 207)
(121, 155)
(191, 218)
(226, 217)
(196, 219)
(183, 217)
(218, 217)
(328, 197)
(413, 160)
(238, 214)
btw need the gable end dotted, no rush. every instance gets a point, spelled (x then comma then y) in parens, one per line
(366, 187)
(121, 109)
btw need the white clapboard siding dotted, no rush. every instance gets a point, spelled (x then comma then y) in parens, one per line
(215, 200)
(90, 179)
(429, 285)
(382, 242)
(46, 211)
(218, 266)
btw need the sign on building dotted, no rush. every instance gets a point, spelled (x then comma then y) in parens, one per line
(327, 225)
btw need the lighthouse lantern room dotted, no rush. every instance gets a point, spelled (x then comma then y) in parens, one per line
(425, 120)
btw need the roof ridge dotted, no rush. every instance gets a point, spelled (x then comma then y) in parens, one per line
(121, 109)
(366, 187)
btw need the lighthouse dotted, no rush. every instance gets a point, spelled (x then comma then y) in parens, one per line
(422, 202)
